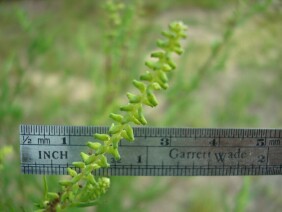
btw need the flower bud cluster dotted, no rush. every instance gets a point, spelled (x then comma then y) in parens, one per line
(83, 186)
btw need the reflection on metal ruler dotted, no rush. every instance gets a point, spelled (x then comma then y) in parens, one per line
(157, 151)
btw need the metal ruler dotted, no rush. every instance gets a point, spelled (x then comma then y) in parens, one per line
(157, 151)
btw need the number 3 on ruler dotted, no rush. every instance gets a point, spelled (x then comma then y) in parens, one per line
(165, 141)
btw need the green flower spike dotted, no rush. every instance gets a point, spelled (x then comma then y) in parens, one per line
(84, 188)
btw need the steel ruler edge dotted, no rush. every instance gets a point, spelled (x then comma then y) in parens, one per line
(50, 149)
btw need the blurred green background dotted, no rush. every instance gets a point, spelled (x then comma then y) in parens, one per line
(71, 62)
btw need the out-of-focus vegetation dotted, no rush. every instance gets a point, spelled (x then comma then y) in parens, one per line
(59, 58)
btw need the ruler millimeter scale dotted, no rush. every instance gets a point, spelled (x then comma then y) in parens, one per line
(156, 151)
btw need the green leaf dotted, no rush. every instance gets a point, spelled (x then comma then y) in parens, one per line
(103, 161)
(116, 154)
(89, 168)
(168, 67)
(116, 117)
(139, 85)
(129, 131)
(71, 172)
(115, 128)
(152, 98)
(156, 86)
(93, 145)
(78, 164)
(134, 120)
(147, 76)
(75, 188)
(64, 196)
(128, 107)
(52, 195)
(178, 50)
(124, 135)
(163, 76)
(141, 117)
(152, 65)
(133, 98)
(84, 156)
(91, 159)
(65, 182)
(171, 64)
(162, 44)
(162, 84)
(91, 179)
(158, 54)
(115, 141)
(168, 34)
(77, 177)
(102, 137)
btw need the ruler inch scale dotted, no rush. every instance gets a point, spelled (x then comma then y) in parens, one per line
(51, 149)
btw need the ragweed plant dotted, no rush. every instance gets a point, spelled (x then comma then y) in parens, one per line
(83, 189)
